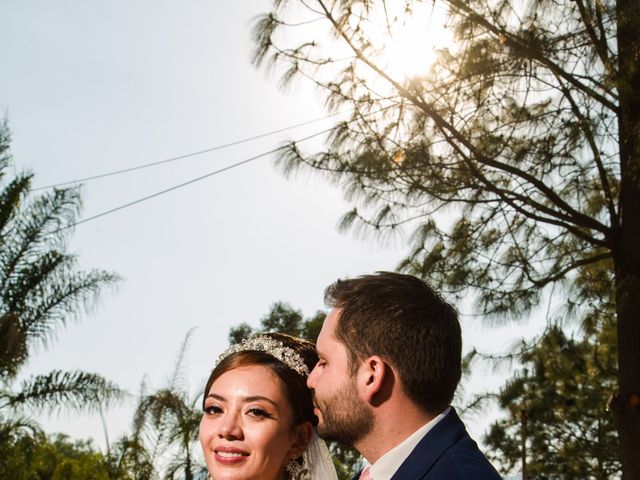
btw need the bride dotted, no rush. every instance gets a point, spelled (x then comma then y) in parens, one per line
(258, 420)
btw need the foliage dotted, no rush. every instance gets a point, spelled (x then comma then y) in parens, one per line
(167, 421)
(25, 456)
(40, 290)
(285, 319)
(560, 394)
(128, 459)
(558, 398)
(524, 132)
(56, 389)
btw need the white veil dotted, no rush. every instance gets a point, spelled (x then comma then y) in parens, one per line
(317, 460)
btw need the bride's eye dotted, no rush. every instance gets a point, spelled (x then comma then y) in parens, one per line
(259, 412)
(212, 409)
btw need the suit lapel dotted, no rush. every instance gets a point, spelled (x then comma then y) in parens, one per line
(435, 443)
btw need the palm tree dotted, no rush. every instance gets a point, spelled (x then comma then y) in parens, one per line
(40, 290)
(57, 389)
(129, 459)
(169, 419)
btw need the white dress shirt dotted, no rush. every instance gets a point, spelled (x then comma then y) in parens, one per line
(390, 462)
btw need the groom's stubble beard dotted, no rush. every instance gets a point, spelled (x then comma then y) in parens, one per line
(345, 417)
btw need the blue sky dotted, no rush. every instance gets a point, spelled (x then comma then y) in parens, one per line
(92, 87)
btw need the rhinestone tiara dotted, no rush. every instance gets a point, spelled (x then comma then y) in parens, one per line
(275, 348)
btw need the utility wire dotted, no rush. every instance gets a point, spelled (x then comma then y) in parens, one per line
(184, 184)
(202, 177)
(186, 155)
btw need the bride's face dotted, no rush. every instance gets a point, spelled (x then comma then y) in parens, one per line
(246, 430)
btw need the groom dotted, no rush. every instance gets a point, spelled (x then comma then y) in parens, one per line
(390, 355)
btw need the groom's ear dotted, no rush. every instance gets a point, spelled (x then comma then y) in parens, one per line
(372, 377)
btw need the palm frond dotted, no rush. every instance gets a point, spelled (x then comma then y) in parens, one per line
(16, 426)
(74, 390)
(10, 201)
(60, 300)
(36, 228)
(5, 141)
(13, 346)
(177, 380)
(167, 420)
(129, 458)
(40, 286)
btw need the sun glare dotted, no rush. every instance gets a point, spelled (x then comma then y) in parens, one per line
(406, 45)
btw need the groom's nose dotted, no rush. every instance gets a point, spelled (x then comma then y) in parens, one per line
(312, 378)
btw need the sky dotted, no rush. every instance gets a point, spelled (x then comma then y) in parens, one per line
(99, 86)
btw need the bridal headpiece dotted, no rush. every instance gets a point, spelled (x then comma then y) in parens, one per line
(275, 348)
(315, 463)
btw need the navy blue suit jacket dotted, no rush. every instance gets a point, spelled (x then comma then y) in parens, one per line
(446, 452)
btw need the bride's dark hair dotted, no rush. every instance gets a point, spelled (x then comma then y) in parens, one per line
(294, 384)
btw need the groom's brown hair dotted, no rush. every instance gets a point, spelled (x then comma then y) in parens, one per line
(406, 322)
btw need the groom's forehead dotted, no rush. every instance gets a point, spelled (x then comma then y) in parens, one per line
(329, 346)
(330, 324)
(327, 338)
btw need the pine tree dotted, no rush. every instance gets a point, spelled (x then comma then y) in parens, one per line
(526, 130)
(555, 405)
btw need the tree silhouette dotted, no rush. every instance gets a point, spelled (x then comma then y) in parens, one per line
(166, 424)
(556, 398)
(525, 130)
(40, 290)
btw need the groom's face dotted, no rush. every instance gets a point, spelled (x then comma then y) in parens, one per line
(342, 414)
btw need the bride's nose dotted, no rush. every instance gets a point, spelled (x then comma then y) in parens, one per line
(230, 427)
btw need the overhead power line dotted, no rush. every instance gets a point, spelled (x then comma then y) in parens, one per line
(186, 155)
(202, 177)
(188, 182)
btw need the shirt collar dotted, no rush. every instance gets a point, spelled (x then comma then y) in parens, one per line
(390, 462)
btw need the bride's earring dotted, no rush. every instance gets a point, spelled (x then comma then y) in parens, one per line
(296, 471)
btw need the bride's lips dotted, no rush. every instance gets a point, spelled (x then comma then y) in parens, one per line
(230, 455)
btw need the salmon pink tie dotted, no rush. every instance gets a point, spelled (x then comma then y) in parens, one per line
(366, 474)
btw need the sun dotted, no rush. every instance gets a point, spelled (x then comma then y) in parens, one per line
(405, 44)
